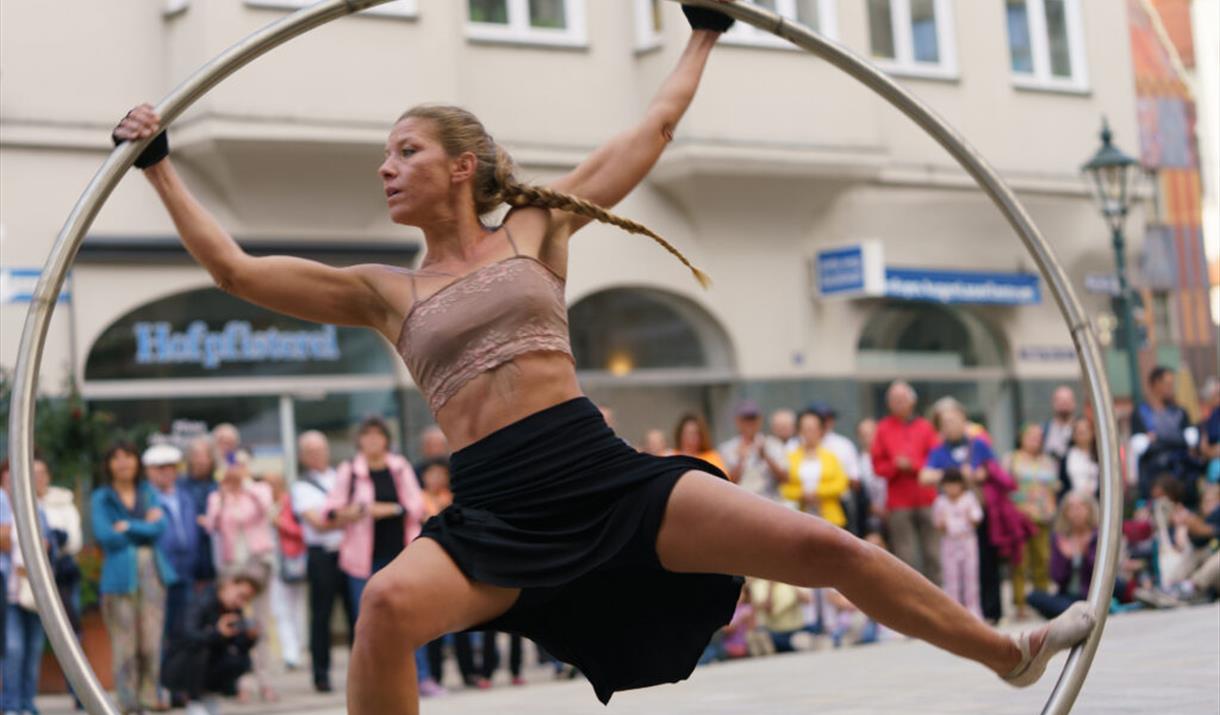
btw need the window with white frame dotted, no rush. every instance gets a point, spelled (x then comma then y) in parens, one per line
(818, 15)
(552, 22)
(913, 37)
(1045, 43)
(647, 24)
(395, 8)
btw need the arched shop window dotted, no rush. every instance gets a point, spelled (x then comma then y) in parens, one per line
(942, 351)
(186, 362)
(925, 337)
(624, 330)
(650, 356)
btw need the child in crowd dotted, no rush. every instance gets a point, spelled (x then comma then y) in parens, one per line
(742, 636)
(780, 611)
(956, 514)
(849, 625)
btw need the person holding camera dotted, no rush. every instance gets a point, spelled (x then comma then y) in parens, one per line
(239, 516)
(213, 651)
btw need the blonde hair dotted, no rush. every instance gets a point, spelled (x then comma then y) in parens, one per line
(1061, 523)
(495, 183)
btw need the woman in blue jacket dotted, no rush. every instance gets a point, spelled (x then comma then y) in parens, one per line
(135, 573)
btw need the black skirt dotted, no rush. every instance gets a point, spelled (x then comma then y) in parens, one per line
(561, 508)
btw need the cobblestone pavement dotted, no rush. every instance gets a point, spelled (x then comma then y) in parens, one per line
(1149, 662)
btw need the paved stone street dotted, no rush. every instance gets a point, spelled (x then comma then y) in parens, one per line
(1154, 662)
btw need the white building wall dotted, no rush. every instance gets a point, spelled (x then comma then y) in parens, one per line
(780, 156)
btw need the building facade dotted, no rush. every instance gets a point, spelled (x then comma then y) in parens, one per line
(783, 178)
(1180, 326)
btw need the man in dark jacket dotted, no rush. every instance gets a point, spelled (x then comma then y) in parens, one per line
(1164, 423)
(214, 649)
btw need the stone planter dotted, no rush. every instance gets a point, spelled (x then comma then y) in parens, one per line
(96, 642)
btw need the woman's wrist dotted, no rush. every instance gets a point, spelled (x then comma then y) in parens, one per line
(161, 174)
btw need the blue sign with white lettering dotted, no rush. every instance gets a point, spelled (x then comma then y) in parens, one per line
(841, 270)
(17, 286)
(159, 344)
(963, 286)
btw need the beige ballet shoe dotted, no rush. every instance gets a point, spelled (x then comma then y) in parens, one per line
(1071, 627)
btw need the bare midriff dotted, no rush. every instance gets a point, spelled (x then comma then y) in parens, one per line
(526, 384)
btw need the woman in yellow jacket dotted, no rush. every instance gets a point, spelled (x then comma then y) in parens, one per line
(816, 480)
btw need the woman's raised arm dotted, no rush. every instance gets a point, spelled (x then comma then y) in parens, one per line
(615, 168)
(294, 286)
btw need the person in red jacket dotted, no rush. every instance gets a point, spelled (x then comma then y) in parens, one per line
(900, 447)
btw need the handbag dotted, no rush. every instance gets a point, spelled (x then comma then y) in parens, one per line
(293, 556)
(25, 594)
(293, 569)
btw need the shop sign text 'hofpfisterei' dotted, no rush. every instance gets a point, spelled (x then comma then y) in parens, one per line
(158, 344)
(860, 270)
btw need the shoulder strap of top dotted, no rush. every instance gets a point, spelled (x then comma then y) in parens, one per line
(516, 251)
(414, 295)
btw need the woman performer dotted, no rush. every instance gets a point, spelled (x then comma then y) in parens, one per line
(607, 557)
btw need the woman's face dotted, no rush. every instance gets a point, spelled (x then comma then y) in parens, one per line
(436, 479)
(1031, 439)
(810, 428)
(1082, 434)
(690, 437)
(372, 442)
(42, 477)
(417, 173)
(123, 466)
(952, 424)
(235, 475)
(1076, 513)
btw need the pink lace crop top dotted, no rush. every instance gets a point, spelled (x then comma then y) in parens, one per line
(480, 321)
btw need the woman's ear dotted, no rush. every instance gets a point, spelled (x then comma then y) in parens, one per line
(464, 167)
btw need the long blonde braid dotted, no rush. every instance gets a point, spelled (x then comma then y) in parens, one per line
(495, 181)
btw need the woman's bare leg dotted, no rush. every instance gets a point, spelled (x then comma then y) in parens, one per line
(420, 596)
(711, 526)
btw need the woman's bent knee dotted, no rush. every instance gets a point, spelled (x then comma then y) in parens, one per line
(393, 608)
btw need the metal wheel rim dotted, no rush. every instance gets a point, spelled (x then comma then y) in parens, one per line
(33, 338)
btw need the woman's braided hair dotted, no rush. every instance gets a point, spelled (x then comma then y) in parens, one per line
(495, 181)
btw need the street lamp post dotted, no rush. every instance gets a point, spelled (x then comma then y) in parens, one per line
(1111, 171)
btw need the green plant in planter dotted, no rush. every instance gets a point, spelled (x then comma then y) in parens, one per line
(90, 561)
(69, 435)
(72, 438)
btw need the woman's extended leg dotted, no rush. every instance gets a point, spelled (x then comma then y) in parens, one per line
(711, 526)
(420, 596)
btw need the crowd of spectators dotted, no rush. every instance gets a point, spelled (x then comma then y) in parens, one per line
(977, 518)
(215, 575)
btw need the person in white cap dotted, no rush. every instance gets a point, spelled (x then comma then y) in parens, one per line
(180, 540)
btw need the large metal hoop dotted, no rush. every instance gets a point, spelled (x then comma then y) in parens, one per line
(33, 337)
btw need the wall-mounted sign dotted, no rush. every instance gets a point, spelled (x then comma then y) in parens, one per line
(962, 287)
(1101, 283)
(1047, 353)
(209, 333)
(850, 270)
(159, 343)
(860, 270)
(17, 286)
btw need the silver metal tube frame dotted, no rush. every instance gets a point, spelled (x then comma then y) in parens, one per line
(33, 337)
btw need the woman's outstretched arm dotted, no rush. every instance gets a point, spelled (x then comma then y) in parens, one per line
(615, 168)
(294, 286)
